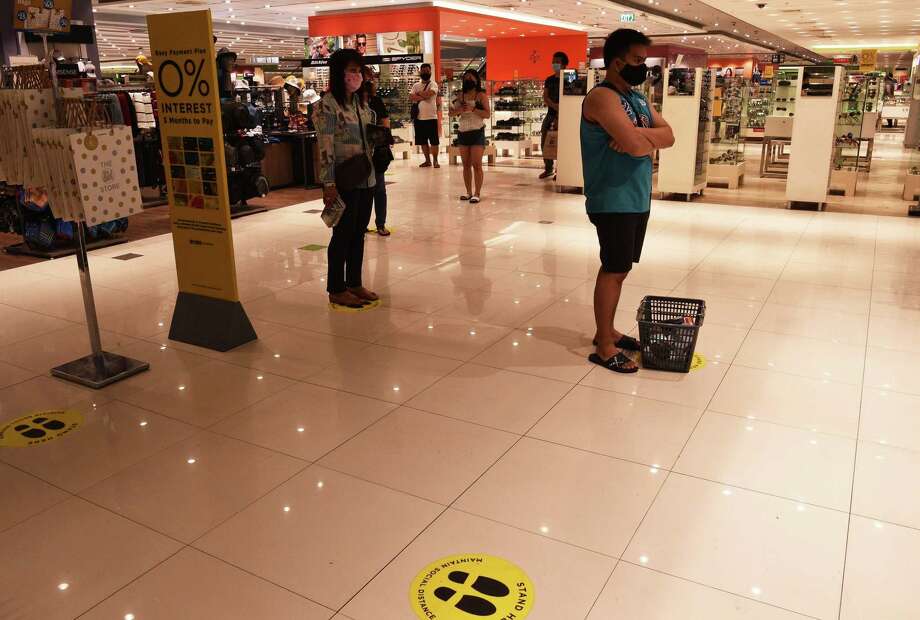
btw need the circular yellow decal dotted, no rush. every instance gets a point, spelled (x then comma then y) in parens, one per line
(470, 586)
(39, 427)
(698, 362)
(364, 308)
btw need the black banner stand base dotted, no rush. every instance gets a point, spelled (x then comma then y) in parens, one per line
(98, 371)
(211, 323)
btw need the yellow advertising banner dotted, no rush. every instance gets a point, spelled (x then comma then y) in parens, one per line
(42, 15)
(768, 71)
(868, 59)
(185, 73)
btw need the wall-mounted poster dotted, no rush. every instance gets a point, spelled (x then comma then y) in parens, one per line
(42, 15)
(399, 43)
(322, 47)
(364, 43)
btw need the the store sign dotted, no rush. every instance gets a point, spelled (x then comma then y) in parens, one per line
(42, 15)
(627, 18)
(868, 58)
(185, 74)
(845, 59)
(395, 59)
(265, 60)
(778, 58)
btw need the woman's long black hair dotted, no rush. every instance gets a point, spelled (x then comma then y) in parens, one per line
(475, 74)
(337, 63)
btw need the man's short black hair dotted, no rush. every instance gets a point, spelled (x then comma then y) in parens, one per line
(424, 65)
(619, 42)
(563, 58)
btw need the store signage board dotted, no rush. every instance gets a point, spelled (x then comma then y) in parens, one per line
(778, 58)
(208, 311)
(393, 59)
(868, 58)
(42, 15)
(627, 18)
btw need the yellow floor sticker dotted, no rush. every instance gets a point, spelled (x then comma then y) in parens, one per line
(698, 362)
(464, 587)
(38, 428)
(364, 308)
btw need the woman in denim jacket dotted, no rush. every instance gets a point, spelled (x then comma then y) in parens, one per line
(341, 118)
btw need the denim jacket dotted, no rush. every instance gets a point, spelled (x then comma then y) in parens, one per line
(340, 134)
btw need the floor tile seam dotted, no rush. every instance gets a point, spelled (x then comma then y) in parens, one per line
(867, 517)
(305, 465)
(67, 496)
(866, 352)
(853, 438)
(54, 330)
(198, 432)
(129, 582)
(742, 364)
(241, 569)
(524, 530)
(722, 590)
(476, 361)
(846, 312)
(621, 459)
(812, 504)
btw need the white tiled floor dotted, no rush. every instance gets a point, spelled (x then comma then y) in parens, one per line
(313, 473)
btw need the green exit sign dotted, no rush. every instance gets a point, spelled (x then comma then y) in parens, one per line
(627, 18)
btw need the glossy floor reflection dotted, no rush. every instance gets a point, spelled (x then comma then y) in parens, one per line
(313, 473)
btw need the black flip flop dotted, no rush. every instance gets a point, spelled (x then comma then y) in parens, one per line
(617, 363)
(627, 343)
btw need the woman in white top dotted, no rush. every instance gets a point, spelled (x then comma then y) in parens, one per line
(472, 107)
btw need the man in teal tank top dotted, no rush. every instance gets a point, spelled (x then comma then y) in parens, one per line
(620, 132)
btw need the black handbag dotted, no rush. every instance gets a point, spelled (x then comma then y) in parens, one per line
(356, 169)
(382, 158)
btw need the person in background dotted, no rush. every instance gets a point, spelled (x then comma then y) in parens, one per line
(424, 93)
(340, 121)
(375, 103)
(551, 96)
(472, 108)
(620, 131)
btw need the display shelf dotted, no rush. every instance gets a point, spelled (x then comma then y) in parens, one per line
(518, 112)
(783, 93)
(688, 107)
(853, 140)
(726, 148)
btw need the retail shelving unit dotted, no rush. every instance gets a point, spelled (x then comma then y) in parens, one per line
(758, 108)
(726, 149)
(517, 111)
(687, 107)
(812, 147)
(912, 129)
(854, 135)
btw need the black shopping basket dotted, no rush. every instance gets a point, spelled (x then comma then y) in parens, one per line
(667, 340)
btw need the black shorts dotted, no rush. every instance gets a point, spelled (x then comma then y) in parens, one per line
(621, 236)
(426, 132)
(477, 137)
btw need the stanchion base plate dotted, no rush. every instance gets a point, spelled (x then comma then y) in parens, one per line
(99, 371)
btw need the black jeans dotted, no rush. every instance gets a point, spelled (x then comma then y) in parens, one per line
(380, 202)
(548, 122)
(346, 249)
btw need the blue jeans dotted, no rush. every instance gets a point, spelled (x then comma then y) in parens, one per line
(380, 202)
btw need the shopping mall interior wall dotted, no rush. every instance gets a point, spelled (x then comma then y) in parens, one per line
(529, 58)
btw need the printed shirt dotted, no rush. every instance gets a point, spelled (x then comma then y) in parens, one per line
(427, 108)
(339, 133)
(616, 182)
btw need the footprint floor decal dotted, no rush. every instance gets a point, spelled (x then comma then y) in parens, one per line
(467, 587)
(38, 428)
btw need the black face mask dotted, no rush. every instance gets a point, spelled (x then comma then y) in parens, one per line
(425, 75)
(469, 85)
(634, 74)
